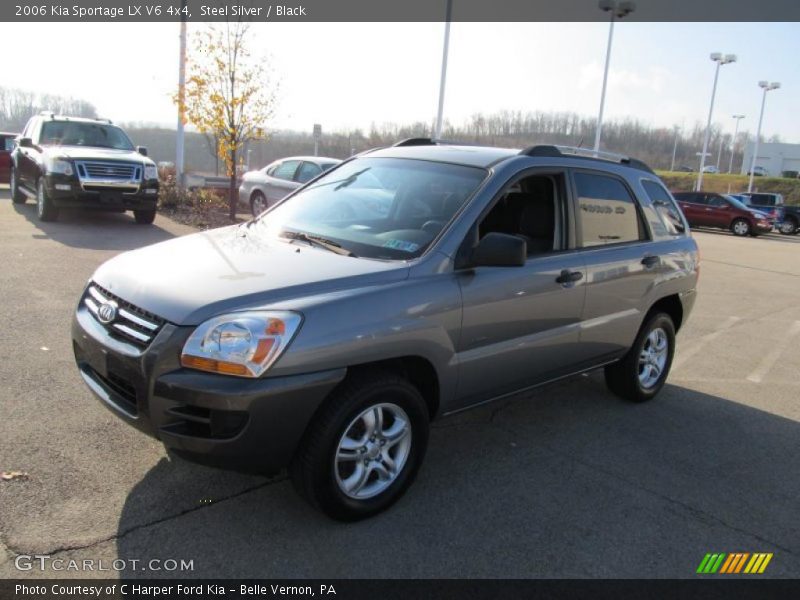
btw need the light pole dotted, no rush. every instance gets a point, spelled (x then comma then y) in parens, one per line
(617, 10)
(674, 148)
(766, 86)
(179, 152)
(733, 141)
(720, 59)
(437, 134)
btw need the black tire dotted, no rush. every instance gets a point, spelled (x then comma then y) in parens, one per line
(45, 209)
(314, 467)
(789, 226)
(145, 217)
(741, 227)
(255, 199)
(623, 377)
(17, 197)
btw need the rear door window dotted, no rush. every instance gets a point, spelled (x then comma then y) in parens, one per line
(665, 207)
(608, 212)
(307, 172)
(286, 170)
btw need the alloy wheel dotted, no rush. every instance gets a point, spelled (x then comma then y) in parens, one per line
(372, 451)
(741, 228)
(653, 357)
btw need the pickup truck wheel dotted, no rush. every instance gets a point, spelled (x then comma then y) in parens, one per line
(17, 197)
(788, 226)
(144, 217)
(740, 227)
(641, 373)
(44, 205)
(258, 203)
(364, 447)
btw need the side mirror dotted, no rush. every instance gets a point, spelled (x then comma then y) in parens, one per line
(499, 250)
(25, 143)
(142, 150)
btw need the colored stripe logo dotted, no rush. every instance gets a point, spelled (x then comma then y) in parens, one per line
(736, 562)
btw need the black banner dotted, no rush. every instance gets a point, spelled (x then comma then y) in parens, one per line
(390, 10)
(357, 589)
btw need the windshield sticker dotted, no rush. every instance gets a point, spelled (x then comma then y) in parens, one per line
(401, 245)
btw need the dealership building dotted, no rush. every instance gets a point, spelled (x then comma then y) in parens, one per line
(775, 158)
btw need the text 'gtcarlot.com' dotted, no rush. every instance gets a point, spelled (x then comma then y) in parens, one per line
(44, 562)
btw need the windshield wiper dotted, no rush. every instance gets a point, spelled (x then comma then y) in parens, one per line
(318, 241)
(351, 179)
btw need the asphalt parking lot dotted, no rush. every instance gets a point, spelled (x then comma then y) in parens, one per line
(567, 481)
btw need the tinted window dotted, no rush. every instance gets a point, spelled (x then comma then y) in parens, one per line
(286, 169)
(607, 211)
(326, 166)
(8, 144)
(690, 197)
(763, 199)
(716, 201)
(75, 133)
(307, 172)
(665, 207)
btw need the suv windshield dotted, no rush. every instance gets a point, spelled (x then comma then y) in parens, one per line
(384, 208)
(75, 133)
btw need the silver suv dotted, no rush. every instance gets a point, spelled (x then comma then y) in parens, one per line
(405, 284)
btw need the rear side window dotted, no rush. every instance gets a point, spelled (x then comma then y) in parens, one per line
(665, 207)
(8, 144)
(286, 169)
(764, 199)
(307, 172)
(607, 211)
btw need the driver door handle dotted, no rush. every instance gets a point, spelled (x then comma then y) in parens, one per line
(568, 276)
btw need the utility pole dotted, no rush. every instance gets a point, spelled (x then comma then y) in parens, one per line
(179, 152)
(674, 149)
(738, 119)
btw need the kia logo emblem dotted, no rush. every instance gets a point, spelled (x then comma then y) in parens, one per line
(107, 312)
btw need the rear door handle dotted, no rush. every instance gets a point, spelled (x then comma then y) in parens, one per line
(568, 276)
(650, 261)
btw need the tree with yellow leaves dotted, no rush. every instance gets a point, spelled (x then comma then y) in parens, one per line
(229, 94)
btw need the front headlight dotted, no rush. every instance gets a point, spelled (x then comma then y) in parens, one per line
(58, 165)
(244, 344)
(150, 172)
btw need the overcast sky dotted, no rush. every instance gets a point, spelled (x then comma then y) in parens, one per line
(350, 75)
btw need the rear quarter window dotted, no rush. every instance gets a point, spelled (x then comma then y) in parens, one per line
(671, 216)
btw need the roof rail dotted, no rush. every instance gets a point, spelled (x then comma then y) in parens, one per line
(47, 113)
(420, 141)
(567, 151)
(109, 121)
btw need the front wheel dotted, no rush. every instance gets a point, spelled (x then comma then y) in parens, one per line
(741, 227)
(144, 217)
(788, 227)
(641, 373)
(364, 447)
(17, 197)
(258, 203)
(45, 209)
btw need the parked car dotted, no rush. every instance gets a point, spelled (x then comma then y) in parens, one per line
(684, 169)
(759, 171)
(705, 209)
(328, 344)
(787, 217)
(82, 163)
(712, 169)
(263, 188)
(6, 146)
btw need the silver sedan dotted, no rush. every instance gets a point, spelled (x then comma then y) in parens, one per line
(264, 187)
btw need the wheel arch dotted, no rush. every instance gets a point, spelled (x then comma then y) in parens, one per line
(670, 305)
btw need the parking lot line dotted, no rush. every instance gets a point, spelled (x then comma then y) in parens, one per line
(696, 346)
(773, 355)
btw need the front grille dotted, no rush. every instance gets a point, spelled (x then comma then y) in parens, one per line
(128, 322)
(109, 170)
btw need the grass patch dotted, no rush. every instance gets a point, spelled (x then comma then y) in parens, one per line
(724, 184)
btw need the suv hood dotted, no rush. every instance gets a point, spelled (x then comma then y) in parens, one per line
(190, 279)
(93, 153)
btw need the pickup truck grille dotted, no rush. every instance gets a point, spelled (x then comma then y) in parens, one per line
(109, 170)
(127, 322)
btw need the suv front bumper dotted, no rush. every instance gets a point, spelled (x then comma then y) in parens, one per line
(243, 424)
(66, 191)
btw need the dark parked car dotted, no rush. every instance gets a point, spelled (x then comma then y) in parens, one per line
(6, 146)
(705, 209)
(327, 343)
(264, 187)
(66, 162)
(787, 217)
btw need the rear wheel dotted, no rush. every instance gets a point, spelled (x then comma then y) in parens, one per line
(144, 217)
(44, 205)
(258, 203)
(17, 197)
(641, 373)
(364, 447)
(741, 227)
(788, 226)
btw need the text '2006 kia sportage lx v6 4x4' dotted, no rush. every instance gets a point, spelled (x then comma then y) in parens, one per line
(404, 284)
